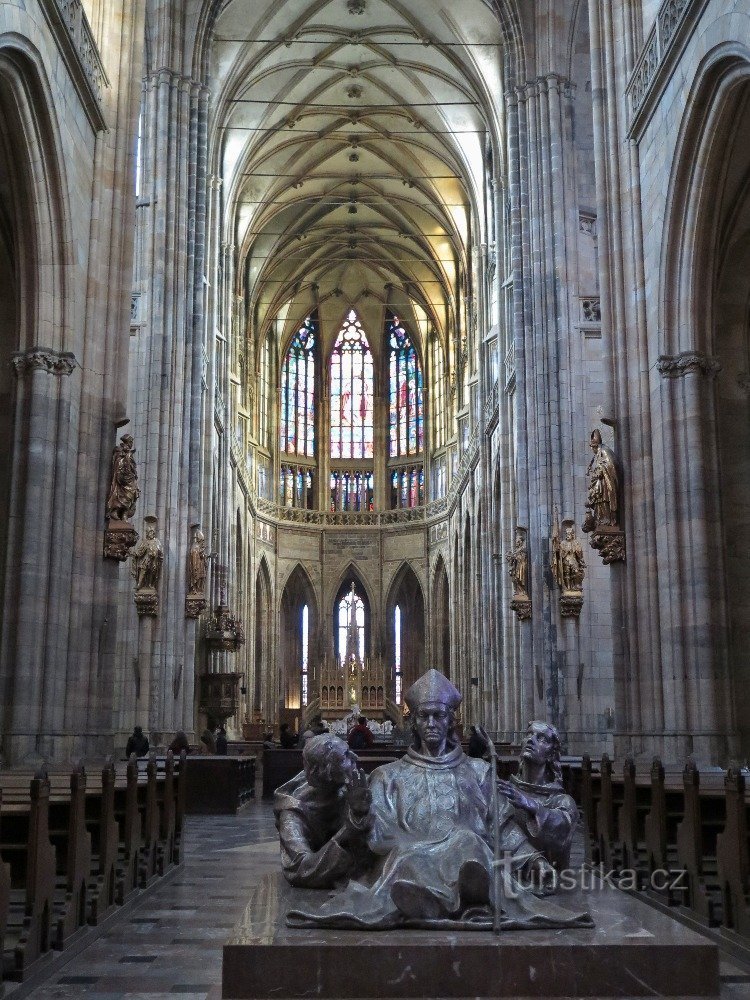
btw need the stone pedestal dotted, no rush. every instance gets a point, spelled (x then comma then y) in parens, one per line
(147, 602)
(609, 543)
(119, 538)
(571, 602)
(632, 951)
(522, 608)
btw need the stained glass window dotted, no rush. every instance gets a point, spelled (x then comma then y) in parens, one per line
(407, 487)
(305, 647)
(406, 392)
(397, 632)
(351, 622)
(352, 489)
(297, 422)
(264, 424)
(352, 392)
(438, 392)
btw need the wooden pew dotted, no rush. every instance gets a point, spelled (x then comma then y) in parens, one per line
(104, 831)
(180, 800)
(733, 856)
(128, 819)
(25, 846)
(631, 822)
(5, 888)
(165, 796)
(605, 816)
(148, 806)
(655, 823)
(588, 809)
(72, 843)
(703, 820)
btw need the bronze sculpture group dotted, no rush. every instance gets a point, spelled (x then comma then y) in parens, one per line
(413, 847)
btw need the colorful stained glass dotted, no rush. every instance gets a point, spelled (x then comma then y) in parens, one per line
(298, 393)
(351, 626)
(406, 392)
(352, 392)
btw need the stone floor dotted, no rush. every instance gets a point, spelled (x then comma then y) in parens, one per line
(171, 944)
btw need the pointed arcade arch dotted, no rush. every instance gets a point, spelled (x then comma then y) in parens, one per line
(441, 628)
(405, 630)
(262, 698)
(298, 636)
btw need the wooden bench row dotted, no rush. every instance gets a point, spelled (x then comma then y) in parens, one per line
(68, 858)
(692, 824)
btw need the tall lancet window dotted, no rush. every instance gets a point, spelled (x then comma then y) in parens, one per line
(438, 414)
(352, 392)
(305, 651)
(406, 392)
(264, 400)
(351, 623)
(298, 393)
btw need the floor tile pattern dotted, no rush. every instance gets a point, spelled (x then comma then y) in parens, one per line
(171, 945)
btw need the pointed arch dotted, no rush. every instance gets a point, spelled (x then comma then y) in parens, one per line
(441, 628)
(263, 647)
(297, 398)
(352, 574)
(352, 392)
(690, 241)
(406, 594)
(298, 635)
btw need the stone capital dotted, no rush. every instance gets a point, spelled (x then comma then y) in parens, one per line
(44, 359)
(687, 363)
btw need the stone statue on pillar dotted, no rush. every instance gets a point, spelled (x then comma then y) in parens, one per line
(568, 567)
(120, 536)
(602, 519)
(148, 557)
(197, 571)
(518, 567)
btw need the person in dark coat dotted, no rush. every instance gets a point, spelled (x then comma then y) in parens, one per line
(137, 744)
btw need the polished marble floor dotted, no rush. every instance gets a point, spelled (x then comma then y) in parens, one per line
(170, 944)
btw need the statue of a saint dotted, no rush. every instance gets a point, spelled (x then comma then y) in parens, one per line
(518, 562)
(197, 564)
(123, 489)
(568, 564)
(546, 813)
(148, 557)
(603, 486)
(432, 835)
(323, 817)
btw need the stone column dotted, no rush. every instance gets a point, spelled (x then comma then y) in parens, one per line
(550, 383)
(38, 557)
(168, 399)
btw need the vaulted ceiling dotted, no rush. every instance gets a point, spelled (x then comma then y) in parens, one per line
(351, 137)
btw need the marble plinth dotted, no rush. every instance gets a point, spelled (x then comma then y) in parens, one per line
(632, 951)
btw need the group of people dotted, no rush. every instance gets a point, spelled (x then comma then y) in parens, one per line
(359, 737)
(414, 844)
(212, 741)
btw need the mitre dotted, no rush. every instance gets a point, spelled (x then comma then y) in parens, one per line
(432, 688)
